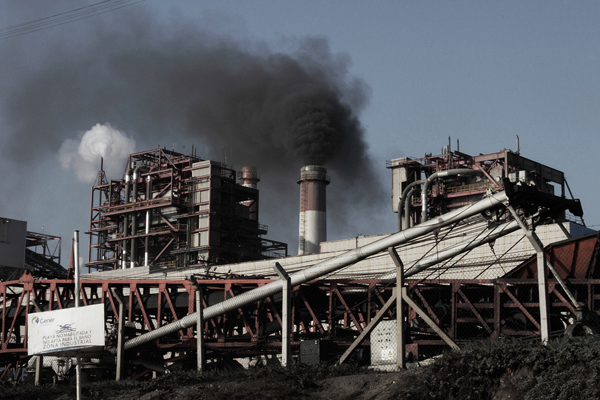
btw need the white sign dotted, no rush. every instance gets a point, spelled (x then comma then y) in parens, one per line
(71, 329)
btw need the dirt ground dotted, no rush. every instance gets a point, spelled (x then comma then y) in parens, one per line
(262, 384)
(500, 369)
(380, 386)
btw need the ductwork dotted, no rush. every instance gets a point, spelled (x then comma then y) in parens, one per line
(438, 175)
(325, 267)
(126, 218)
(405, 199)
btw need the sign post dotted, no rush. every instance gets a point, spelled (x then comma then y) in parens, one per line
(70, 332)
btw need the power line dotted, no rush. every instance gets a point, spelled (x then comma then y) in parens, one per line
(65, 17)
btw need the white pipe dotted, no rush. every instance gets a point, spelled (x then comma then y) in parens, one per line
(147, 241)
(133, 250)
(324, 267)
(403, 202)
(125, 219)
(76, 266)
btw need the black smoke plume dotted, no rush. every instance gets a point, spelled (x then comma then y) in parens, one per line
(178, 85)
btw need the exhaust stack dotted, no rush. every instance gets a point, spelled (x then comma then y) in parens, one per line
(250, 179)
(313, 216)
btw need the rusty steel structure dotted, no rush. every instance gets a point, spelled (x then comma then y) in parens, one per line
(172, 210)
(333, 310)
(176, 211)
(453, 179)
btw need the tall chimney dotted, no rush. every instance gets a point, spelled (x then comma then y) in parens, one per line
(313, 215)
(250, 179)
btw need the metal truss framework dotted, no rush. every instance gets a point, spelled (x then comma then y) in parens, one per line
(332, 310)
(172, 210)
(458, 190)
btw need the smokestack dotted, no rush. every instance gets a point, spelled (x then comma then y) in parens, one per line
(250, 179)
(313, 215)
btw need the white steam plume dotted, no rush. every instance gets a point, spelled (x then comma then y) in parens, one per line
(82, 155)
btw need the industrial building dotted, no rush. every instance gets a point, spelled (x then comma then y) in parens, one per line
(172, 210)
(22, 250)
(177, 229)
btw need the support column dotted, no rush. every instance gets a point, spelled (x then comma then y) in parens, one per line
(400, 337)
(398, 296)
(120, 333)
(200, 355)
(403, 294)
(200, 359)
(541, 272)
(286, 312)
(39, 361)
(76, 296)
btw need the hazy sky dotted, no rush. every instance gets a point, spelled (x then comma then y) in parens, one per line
(403, 75)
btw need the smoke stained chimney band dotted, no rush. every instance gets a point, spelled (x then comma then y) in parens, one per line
(250, 179)
(313, 213)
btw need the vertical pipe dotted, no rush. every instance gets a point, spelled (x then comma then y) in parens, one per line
(543, 296)
(120, 334)
(133, 245)
(400, 337)
(39, 360)
(286, 315)
(76, 266)
(76, 295)
(126, 219)
(404, 201)
(199, 330)
(147, 239)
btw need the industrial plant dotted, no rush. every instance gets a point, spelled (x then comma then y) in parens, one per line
(487, 246)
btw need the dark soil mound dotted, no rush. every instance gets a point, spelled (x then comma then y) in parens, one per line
(492, 369)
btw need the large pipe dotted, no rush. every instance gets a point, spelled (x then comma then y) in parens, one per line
(324, 267)
(313, 213)
(403, 202)
(437, 175)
